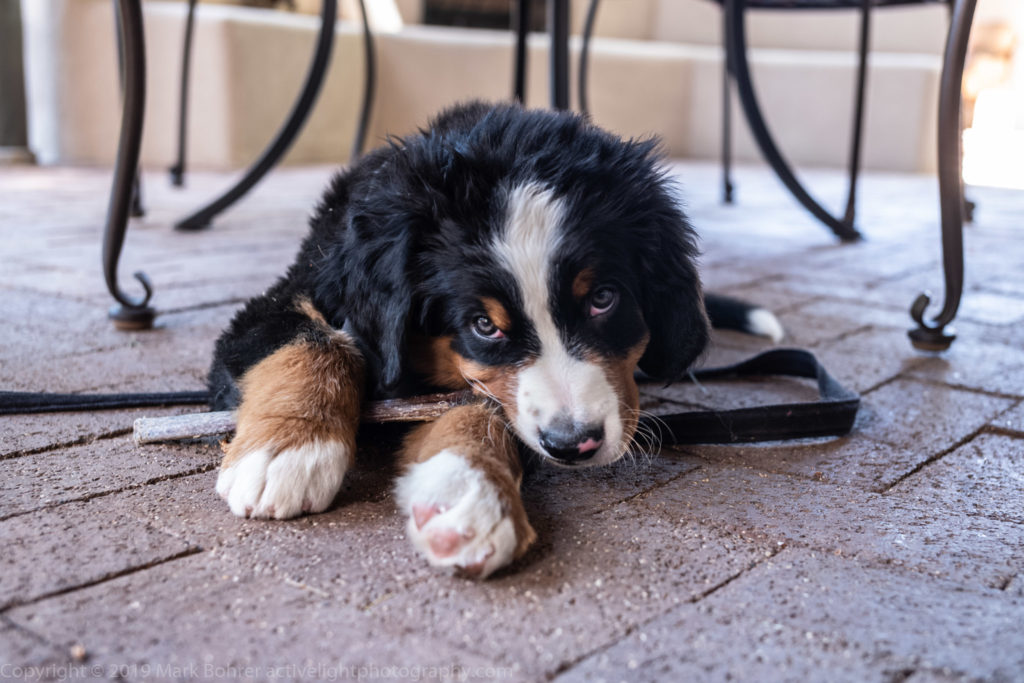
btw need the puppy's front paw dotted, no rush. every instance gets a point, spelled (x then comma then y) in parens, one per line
(301, 479)
(459, 518)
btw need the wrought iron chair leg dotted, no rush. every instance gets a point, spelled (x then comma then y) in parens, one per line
(177, 171)
(369, 88)
(137, 208)
(735, 40)
(588, 32)
(969, 205)
(558, 29)
(129, 314)
(858, 113)
(727, 75)
(293, 124)
(935, 336)
(522, 29)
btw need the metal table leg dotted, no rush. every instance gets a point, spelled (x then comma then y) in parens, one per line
(293, 124)
(522, 30)
(137, 208)
(935, 336)
(858, 112)
(736, 43)
(583, 72)
(369, 87)
(558, 29)
(727, 75)
(130, 313)
(177, 171)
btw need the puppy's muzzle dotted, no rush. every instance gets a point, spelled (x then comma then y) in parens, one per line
(571, 442)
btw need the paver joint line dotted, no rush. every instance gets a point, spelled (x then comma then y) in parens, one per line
(938, 456)
(85, 440)
(630, 630)
(103, 494)
(104, 579)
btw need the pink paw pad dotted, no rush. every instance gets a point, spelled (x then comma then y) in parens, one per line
(421, 514)
(446, 542)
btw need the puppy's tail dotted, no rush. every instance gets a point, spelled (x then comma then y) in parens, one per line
(728, 313)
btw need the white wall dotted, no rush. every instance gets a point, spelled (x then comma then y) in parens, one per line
(249, 64)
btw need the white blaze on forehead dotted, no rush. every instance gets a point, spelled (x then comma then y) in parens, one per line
(556, 384)
(526, 247)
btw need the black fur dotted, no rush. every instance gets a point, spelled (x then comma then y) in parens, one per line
(400, 245)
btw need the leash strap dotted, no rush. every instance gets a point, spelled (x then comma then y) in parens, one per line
(22, 402)
(832, 414)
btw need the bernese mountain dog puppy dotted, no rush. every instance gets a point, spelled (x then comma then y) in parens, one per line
(526, 255)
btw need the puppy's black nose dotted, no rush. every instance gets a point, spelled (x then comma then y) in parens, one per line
(571, 441)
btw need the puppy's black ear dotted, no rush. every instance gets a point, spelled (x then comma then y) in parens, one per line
(672, 299)
(365, 283)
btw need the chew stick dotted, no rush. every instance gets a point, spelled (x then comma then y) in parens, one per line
(198, 425)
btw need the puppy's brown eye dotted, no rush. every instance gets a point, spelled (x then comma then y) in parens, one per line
(603, 300)
(483, 327)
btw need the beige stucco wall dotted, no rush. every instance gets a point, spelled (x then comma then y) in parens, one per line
(249, 65)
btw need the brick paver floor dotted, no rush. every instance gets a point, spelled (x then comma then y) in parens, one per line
(895, 553)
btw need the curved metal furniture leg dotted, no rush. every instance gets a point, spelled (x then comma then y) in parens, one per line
(293, 124)
(136, 208)
(935, 336)
(369, 88)
(727, 75)
(129, 314)
(177, 171)
(858, 112)
(522, 30)
(558, 29)
(735, 39)
(588, 32)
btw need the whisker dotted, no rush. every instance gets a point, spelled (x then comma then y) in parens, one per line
(646, 438)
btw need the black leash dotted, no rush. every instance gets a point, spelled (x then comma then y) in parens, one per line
(22, 402)
(832, 414)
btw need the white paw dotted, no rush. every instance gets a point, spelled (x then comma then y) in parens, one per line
(456, 518)
(296, 480)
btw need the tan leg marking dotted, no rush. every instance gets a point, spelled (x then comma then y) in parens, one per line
(300, 394)
(296, 427)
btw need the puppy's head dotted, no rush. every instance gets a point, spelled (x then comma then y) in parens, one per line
(571, 306)
(554, 262)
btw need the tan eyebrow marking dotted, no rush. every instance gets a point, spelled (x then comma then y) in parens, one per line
(497, 313)
(582, 283)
